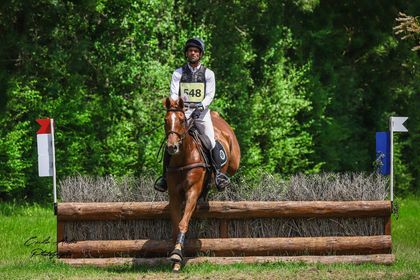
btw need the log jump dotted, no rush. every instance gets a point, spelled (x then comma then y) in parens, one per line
(324, 249)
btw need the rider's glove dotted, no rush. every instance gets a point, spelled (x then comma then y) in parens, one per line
(197, 112)
(200, 107)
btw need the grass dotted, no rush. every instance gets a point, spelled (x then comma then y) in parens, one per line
(20, 222)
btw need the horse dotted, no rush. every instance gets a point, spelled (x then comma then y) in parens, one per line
(187, 171)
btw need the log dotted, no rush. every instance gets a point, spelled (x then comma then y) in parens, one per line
(353, 259)
(230, 247)
(69, 211)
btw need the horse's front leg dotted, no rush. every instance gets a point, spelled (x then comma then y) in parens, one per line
(175, 202)
(192, 196)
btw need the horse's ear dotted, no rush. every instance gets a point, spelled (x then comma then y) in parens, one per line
(180, 103)
(166, 102)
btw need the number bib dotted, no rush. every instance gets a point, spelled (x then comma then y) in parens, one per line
(192, 92)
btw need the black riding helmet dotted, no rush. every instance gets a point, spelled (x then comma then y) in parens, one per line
(194, 42)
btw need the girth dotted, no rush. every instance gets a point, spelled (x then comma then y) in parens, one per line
(187, 167)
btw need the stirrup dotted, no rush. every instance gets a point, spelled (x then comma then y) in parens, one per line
(221, 181)
(160, 184)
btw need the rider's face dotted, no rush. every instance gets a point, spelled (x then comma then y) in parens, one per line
(193, 54)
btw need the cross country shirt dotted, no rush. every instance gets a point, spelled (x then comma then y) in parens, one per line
(191, 85)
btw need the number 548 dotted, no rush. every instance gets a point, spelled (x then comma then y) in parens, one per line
(193, 93)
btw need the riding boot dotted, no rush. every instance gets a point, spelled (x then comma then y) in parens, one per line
(221, 180)
(160, 184)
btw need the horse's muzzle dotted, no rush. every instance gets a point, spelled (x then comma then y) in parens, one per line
(173, 149)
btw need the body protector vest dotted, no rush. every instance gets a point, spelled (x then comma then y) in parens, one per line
(192, 87)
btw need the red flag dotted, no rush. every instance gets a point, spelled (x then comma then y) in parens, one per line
(45, 126)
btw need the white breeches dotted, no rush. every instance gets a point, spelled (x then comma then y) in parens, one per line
(204, 125)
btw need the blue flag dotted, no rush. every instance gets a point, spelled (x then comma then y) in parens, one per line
(383, 153)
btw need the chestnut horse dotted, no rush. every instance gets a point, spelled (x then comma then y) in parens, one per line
(187, 170)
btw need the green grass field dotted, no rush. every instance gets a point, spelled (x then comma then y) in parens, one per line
(20, 224)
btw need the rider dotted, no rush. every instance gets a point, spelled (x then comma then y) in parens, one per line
(189, 82)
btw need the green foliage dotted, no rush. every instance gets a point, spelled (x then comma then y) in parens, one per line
(403, 178)
(305, 84)
(17, 137)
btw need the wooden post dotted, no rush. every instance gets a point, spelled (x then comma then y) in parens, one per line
(388, 221)
(224, 229)
(60, 233)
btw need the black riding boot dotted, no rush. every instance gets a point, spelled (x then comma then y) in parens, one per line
(160, 184)
(221, 180)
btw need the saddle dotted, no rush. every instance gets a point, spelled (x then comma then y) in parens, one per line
(204, 143)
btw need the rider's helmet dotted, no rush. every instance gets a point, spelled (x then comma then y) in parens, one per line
(194, 42)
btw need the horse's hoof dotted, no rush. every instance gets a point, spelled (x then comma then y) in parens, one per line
(175, 258)
(176, 255)
(176, 267)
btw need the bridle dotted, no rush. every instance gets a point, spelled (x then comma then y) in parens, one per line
(183, 135)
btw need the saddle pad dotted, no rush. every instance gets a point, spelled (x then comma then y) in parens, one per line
(223, 154)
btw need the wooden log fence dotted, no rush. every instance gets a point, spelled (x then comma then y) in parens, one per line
(222, 209)
(231, 246)
(351, 249)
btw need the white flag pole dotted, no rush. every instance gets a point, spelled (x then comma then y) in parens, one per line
(391, 132)
(396, 124)
(53, 162)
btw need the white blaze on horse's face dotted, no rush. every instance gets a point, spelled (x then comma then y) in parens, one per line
(175, 131)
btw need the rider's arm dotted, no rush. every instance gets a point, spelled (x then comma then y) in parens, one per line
(210, 88)
(176, 77)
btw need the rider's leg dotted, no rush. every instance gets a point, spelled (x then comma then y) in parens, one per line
(205, 126)
(221, 180)
(161, 184)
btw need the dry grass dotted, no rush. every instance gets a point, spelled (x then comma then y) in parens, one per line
(209, 228)
(327, 186)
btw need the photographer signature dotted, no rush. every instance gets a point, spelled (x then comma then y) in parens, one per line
(34, 241)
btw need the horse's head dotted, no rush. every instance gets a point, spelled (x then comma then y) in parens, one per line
(175, 125)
